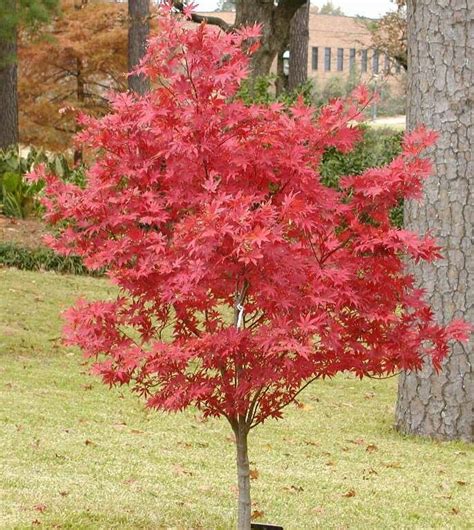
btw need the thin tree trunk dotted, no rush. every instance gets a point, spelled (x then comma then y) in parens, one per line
(244, 509)
(440, 73)
(80, 88)
(8, 88)
(138, 32)
(299, 42)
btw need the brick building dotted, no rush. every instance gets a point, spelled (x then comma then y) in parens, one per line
(341, 46)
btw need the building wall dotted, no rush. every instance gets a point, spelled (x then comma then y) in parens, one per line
(348, 43)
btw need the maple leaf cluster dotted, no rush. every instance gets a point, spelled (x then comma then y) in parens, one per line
(242, 277)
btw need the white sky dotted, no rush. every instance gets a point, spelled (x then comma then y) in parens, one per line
(367, 8)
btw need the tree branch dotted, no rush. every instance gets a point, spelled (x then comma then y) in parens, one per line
(214, 21)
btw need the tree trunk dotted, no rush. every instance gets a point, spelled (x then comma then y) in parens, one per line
(275, 20)
(440, 73)
(244, 509)
(138, 31)
(281, 83)
(8, 88)
(299, 42)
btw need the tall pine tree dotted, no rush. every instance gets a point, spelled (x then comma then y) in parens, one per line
(13, 14)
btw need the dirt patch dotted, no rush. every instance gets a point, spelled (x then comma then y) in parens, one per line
(24, 232)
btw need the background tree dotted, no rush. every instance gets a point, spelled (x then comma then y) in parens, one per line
(84, 56)
(13, 15)
(226, 5)
(138, 33)
(275, 19)
(389, 34)
(298, 46)
(440, 73)
(242, 277)
(330, 9)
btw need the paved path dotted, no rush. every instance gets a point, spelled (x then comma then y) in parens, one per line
(397, 122)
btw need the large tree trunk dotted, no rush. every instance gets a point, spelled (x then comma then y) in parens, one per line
(275, 20)
(8, 88)
(299, 42)
(138, 32)
(440, 73)
(244, 508)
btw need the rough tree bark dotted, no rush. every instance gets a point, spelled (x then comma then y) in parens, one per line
(299, 42)
(138, 31)
(8, 87)
(440, 73)
(275, 20)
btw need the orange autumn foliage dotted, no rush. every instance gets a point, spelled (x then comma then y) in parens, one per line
(81, 56)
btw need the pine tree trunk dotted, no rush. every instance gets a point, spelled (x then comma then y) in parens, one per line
(8, 90)
(138, 32)
(299, 42)
(244, 508)
(440, 73)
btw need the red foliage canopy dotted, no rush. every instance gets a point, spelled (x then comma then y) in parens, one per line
(242, 277)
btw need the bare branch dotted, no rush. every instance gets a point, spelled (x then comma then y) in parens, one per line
(214, 21)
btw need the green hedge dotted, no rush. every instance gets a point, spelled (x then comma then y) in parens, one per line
(378, 148)
(35, 259)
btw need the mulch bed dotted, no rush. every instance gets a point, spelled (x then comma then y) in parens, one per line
(23, 232)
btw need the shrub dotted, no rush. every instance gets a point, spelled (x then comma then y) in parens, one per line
(378, 147)
(35, 259)
(18, 196)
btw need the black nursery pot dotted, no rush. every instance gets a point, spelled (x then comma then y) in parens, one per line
(265, 526)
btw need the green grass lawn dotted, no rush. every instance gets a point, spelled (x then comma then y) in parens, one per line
(75, 454)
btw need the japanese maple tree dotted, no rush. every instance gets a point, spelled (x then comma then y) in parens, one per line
(210, 216)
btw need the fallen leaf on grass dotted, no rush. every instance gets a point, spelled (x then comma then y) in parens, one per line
(305, 406)
(368, 473)
(41, 508)
(350, 493)
(349, 405)
(180, 470)
(254, 474)
(294, 489)
(371, 448)
(393, 465)
(257, 514)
